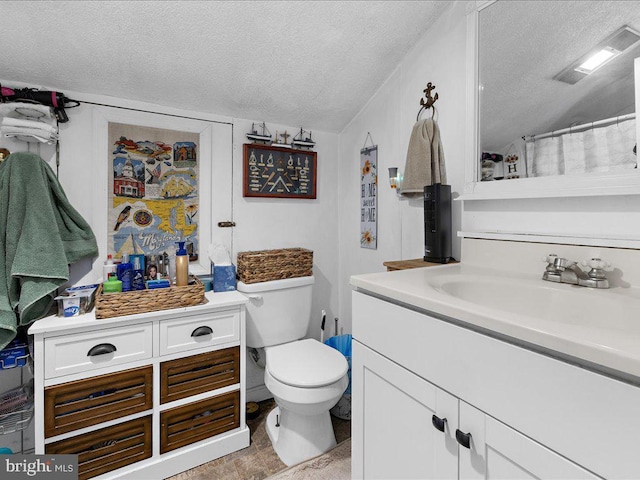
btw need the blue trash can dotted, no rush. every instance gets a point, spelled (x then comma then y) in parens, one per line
(342, 343)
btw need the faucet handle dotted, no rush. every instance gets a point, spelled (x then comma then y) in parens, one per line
(596, 263)
(552, 264)
(597, 266)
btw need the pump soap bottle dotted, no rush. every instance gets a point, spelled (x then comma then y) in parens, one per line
(182, 266)
(108, 267)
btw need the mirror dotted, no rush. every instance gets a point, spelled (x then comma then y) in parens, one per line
(532, 124)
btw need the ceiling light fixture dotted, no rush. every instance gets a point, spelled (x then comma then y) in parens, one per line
(610, 48)
(598, 59)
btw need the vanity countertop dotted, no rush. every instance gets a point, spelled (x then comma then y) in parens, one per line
(597, 328)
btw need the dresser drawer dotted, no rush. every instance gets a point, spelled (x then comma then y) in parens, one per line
(189, 376)
(108, 448)
(196, 421)
(198, 331)
(107, 347)
(74, 405)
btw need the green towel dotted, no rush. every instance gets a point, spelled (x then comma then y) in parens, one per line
(40, 235)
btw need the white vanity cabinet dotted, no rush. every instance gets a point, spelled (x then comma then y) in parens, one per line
(392, 422)
(498, 451)
(143, 396)
(528, 415)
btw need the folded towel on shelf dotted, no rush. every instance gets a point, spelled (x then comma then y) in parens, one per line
(425, 158)
(22, 123)
(28, 122)
(41, 233)
(27, 110)
(31, 135)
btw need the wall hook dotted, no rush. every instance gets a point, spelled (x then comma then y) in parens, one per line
(429, 100)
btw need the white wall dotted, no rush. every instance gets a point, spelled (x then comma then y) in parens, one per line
(270, 223)
(440, 58)
(262, 223)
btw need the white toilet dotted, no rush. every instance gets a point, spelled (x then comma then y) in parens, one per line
(306, 377)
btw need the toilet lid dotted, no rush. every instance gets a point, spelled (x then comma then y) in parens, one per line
(306, 363)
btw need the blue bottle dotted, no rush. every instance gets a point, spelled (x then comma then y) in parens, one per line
(125, 273)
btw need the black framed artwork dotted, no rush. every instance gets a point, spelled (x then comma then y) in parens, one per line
(278, 172)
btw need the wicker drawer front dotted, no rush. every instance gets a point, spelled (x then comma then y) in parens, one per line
(189, 376)
(108, 448)
(83, 403)
(199, 331)
(193, 422)
(77, 353)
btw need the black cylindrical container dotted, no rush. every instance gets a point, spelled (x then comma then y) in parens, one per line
(437, 223)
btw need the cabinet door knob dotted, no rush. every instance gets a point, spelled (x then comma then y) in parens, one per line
(201, 331)
(463, 439)
(101, 349)
(439, 423)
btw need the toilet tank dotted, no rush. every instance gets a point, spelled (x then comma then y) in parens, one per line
(278, 311)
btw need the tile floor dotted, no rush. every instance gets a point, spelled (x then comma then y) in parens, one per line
(258, 461)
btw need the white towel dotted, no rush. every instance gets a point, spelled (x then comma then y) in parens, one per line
(31, 135)
(27, 110)
(425, 158)
(18, 122)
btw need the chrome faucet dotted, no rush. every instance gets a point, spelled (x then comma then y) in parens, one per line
(561, 270)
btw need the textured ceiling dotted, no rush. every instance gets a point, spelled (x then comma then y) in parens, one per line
(308, 63)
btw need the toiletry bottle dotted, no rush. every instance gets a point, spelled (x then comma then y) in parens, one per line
(164, 265)
(108, 267)
(125, 273)
(137, 280)
(182, 266)
(112, 284)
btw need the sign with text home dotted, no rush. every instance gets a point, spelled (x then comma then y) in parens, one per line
(369, 197)
(278, 172)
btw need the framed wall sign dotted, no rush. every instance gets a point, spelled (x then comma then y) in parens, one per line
(369, 197)
(278, 172)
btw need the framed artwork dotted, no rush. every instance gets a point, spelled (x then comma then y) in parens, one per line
(153, 193)
(369, 198)
(278, 172)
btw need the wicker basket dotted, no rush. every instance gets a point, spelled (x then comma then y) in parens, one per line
(142, 301)
(267, 265)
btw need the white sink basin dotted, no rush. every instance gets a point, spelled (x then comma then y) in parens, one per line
(566, 304)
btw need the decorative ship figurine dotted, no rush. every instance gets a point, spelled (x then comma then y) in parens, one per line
(284, 144)
(301, 141)
(264, 137)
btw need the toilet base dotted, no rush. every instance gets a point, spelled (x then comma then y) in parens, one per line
(299, 437)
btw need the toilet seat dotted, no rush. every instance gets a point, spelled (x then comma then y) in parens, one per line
(306, 364)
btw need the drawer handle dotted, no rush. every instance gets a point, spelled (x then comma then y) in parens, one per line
(463, 439)
(102, 349)
(439, 423)
(201, 331)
